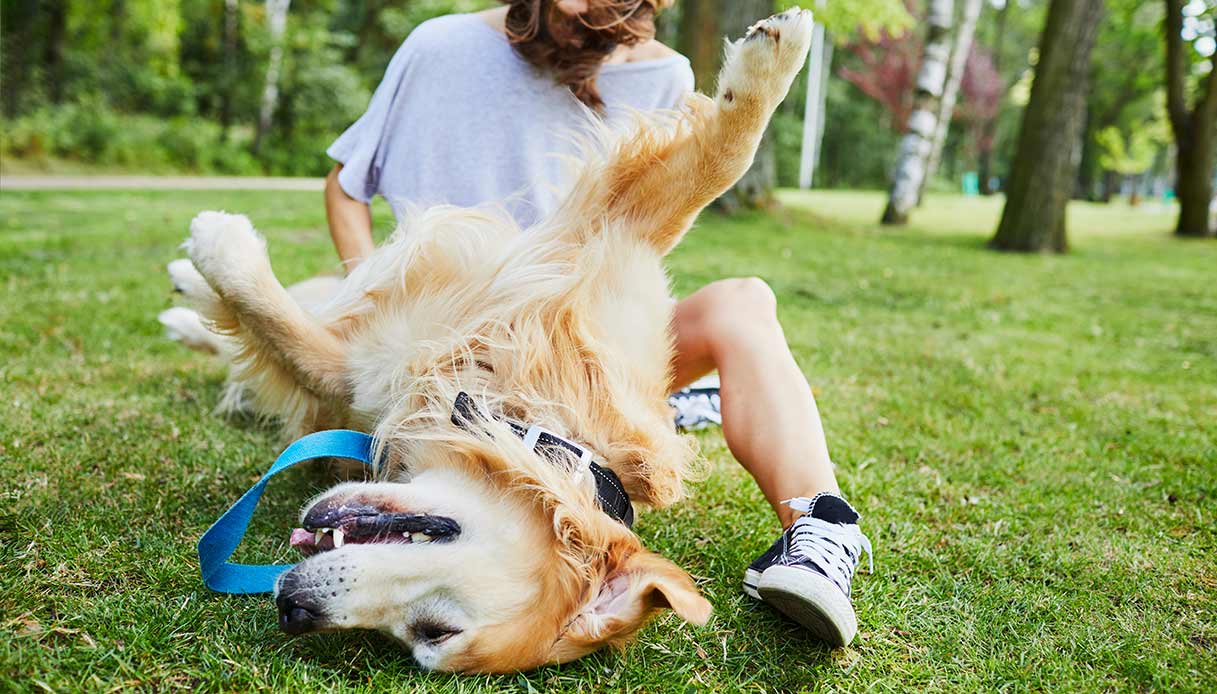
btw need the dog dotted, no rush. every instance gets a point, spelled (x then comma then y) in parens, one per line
(464, 343)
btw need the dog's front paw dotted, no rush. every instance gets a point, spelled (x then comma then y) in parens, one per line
(225, 248)
(760, 67)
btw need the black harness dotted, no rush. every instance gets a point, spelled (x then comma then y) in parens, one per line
(609, 490)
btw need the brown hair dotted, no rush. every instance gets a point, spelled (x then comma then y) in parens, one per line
(573, 47)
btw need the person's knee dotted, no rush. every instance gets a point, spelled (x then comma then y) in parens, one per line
(739, 305)
(750, 296)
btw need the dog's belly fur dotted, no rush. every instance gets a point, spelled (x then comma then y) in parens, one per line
(433, 331)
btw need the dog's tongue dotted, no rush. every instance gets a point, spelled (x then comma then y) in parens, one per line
(303, 539)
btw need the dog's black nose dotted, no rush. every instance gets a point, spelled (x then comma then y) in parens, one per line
(295, 619)
(297, 614)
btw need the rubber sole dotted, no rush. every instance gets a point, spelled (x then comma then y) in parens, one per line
(811, 600)
(752, 578)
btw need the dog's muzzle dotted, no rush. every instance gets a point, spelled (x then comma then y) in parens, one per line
(300, 612)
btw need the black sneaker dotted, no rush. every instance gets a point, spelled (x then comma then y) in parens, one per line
(806, 574)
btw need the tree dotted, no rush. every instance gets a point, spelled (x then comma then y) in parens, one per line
(53, 58)
(960, 53)
(229, 80)
(1010, 40)
(1042, 175)
(702, 28)
(1195, 129)
(915, 146)
(870, 17)
(1132, 155)
(1121, 99)
(276, 20)
(886, 73)
(819, 69)
(988, 131)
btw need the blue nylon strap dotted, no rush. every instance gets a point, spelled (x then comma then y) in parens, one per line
(223, 537)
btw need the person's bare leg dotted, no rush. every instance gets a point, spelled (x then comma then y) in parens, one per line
(770, 420)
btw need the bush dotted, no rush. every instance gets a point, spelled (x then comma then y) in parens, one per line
(89, 132)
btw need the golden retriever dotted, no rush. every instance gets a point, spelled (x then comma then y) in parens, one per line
(470, 548)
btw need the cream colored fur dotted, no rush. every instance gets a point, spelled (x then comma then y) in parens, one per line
(563, 325)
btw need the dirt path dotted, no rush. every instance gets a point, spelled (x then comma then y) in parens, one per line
(159, 183)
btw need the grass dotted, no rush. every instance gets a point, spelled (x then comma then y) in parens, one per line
(1032, 442)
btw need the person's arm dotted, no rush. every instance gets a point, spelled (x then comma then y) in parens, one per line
(350, 222)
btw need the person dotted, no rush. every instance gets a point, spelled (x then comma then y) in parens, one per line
(472, 109)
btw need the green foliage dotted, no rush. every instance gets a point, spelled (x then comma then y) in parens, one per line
(1136, 152)
(868, 17)
(860, 141)
(130, 60)
(1029, 440)
(1125, 126)
(91, 132)
(321, 96)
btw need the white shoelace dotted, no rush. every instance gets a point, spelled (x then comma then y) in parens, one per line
(835, 548)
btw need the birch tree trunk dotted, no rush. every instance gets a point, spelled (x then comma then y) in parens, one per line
(950, 92)
(276, 19)
(1042, 175)
(915, 146)
(1195, 130)
(819, 66)
(703, 26)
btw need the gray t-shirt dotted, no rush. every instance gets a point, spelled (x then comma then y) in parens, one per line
(461, 118)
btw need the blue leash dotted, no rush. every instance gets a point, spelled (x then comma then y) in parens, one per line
(223, 537)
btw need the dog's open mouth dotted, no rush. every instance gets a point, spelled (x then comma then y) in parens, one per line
(330, 528)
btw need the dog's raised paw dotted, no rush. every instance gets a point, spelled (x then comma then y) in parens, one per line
(764, 62)
(223, 245)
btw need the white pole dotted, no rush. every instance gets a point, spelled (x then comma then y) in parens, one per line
(811, 107)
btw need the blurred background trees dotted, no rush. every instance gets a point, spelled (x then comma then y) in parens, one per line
(181, 85)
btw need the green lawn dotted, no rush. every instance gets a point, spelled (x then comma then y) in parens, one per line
(1032, 442)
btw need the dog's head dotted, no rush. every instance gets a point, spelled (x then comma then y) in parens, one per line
(488, 559)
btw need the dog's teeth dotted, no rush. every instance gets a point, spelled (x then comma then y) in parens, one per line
(420, 537)
(339, 538)
(320, 533)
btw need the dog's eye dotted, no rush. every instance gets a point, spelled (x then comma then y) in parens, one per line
(434, 633)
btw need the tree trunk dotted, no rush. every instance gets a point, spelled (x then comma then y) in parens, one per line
(229, 83)
(825, 76)
(1194, 189)
(950, 92)
(918, 138)
(703, 25)
(57, 24)
(276, 19)
(1042, 176)
(819, 66)
(988, 132)
(1111, 185)
(1195, 131)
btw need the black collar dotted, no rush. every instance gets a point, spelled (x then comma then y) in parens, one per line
(609, 490)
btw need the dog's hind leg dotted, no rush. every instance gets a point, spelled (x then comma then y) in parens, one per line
(657, 180)
(280, 346)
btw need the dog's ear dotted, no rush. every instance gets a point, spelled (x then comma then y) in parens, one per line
(629, 594)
